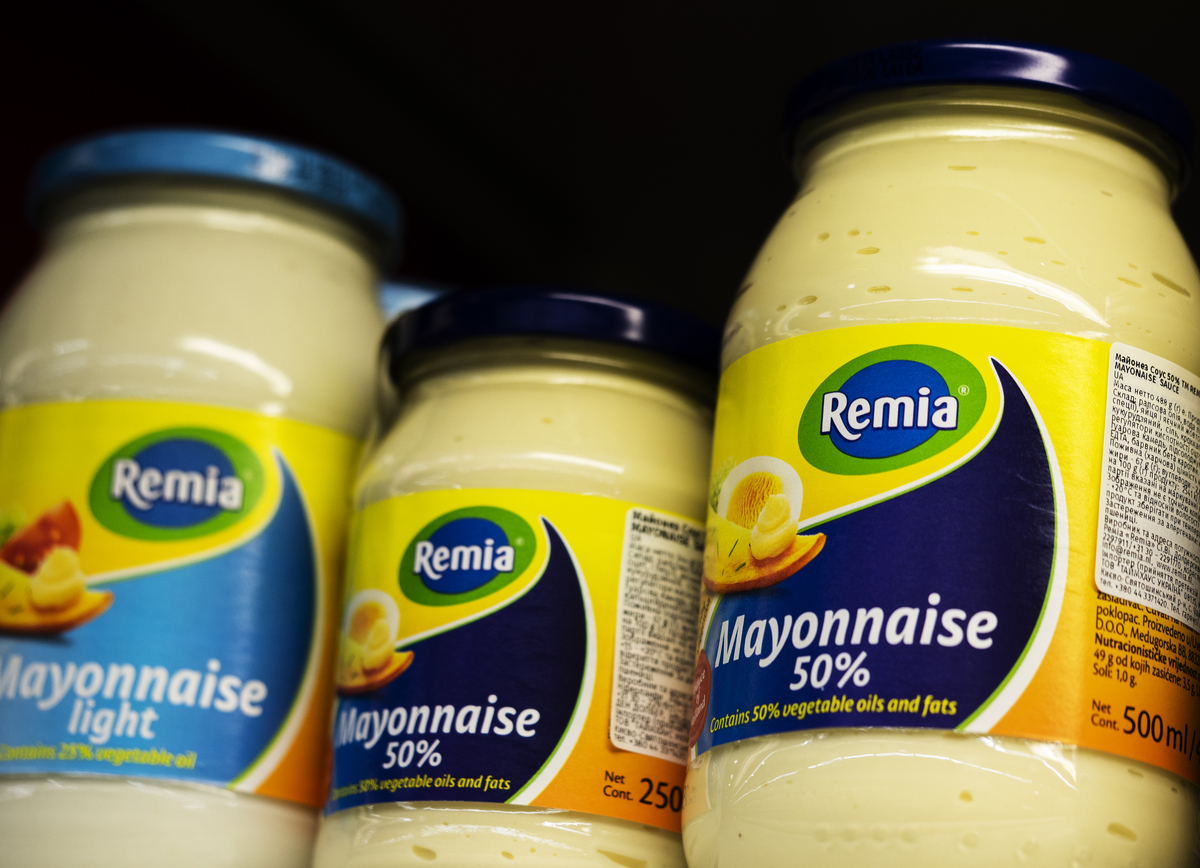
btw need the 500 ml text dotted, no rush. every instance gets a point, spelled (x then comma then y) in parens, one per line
(1151, 727)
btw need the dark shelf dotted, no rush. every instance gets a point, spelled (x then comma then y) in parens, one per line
(632, 148)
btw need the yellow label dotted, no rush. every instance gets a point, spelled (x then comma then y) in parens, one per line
(967, 527)
(527, 647)
(166, 582)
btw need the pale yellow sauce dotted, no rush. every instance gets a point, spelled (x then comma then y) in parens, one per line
(59, 581)
(894, 798)
(1054, 226)
(774, 530)
(989, 206)
(228, 300)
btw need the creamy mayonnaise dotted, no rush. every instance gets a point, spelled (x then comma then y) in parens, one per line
(981, 205)
(145, 291)
(555, 412)
(549, 415)
(193, 292)
(1066, 227)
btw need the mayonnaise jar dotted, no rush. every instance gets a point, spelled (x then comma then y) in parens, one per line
(186, 375)
(515, 665)
(963, 373)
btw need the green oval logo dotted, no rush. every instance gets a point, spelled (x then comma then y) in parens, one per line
(891, 408)
(176, 484)
(466, 554)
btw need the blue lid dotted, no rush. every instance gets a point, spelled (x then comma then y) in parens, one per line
(396, 297)
(597, 316)
(986, 61)
(215, 154)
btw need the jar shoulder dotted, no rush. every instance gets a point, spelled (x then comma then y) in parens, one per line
(175, 313)
(1072, 253)
(644, 445)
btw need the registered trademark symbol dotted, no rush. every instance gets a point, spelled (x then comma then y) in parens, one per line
(964, 390)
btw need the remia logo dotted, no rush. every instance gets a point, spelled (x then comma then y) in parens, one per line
(148, 488)
(176, 484)
(466, 554)
(848, 418)
(891, 408)
(460, 554)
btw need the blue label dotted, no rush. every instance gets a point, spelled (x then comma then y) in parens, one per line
(191, 672)
(494, 694)
(919, 608)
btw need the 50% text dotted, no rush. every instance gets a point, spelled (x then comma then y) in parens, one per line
(402, 753)
(823, 668)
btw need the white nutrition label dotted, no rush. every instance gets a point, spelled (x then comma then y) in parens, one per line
(656, 634)
(1148, 546)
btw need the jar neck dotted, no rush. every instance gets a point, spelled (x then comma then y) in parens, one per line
(1111, 147)
(547, 359)
(208, 203)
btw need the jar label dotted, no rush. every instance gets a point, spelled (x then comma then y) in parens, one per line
(963, 527)
(520, 647)
(166, 593)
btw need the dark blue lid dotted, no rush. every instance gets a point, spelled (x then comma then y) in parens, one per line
(987, 61)
(597, 316)
(215, 154)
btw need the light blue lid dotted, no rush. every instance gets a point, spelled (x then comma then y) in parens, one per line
(395, 297)
(324, 179)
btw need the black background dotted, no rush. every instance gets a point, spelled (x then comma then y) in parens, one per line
(626, 146)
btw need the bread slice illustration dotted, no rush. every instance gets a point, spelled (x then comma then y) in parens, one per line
(364, 681)
(20, 616)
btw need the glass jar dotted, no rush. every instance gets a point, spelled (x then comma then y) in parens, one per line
(970, 340)
(186, 374)
(561, 438)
